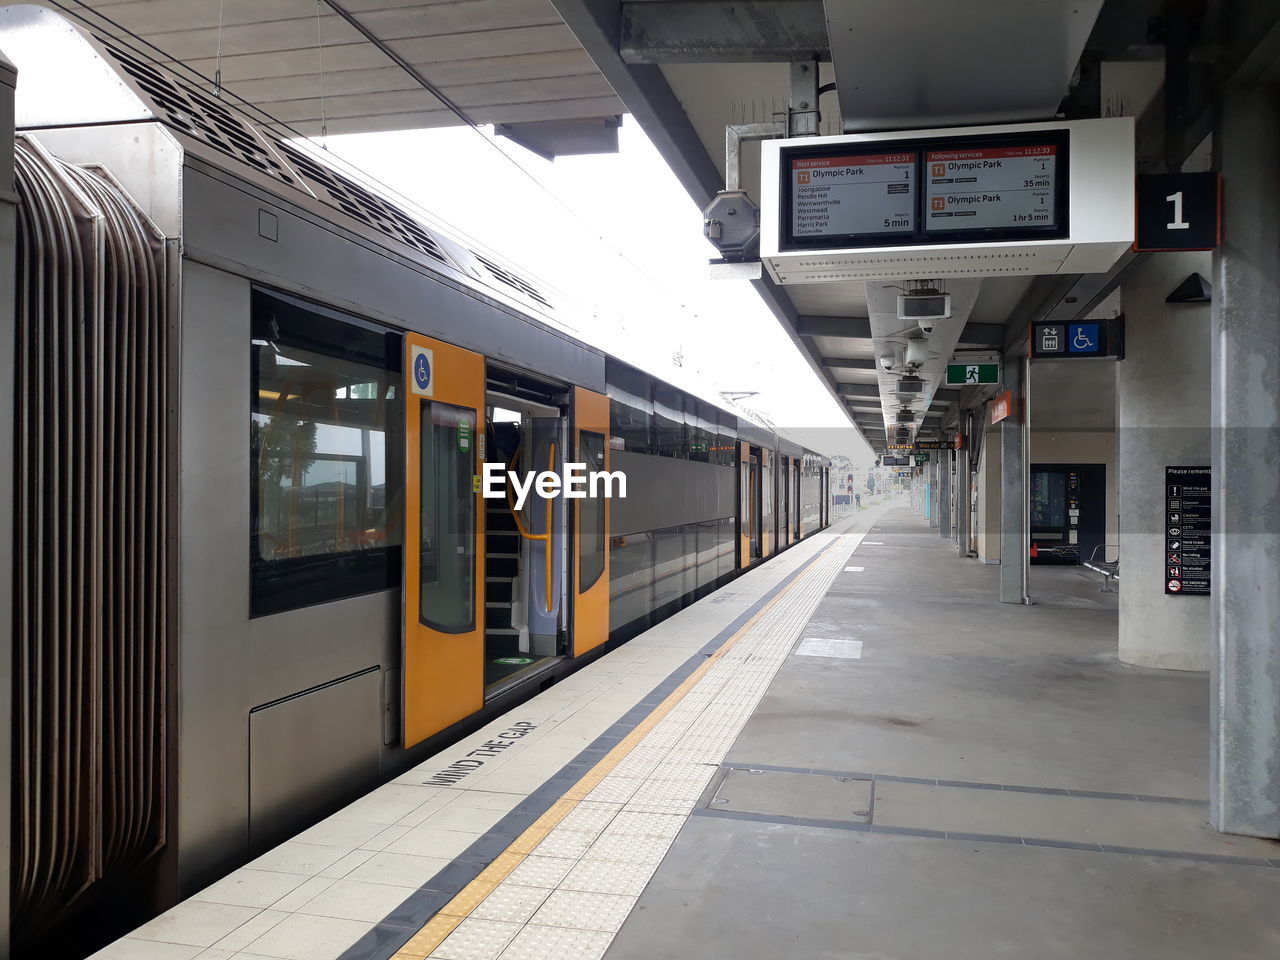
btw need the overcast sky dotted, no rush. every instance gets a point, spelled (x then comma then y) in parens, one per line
(618, 234)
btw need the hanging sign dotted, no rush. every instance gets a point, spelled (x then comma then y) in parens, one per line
(1179, 211)
(1002, 406)
(1078, 340)
(1186, 531)
(969, 374)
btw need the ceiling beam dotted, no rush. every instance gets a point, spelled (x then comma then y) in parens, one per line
(709, 31)
(848, 363)
(986, 334)
(859, 328)
(851, 328)
(858, 389)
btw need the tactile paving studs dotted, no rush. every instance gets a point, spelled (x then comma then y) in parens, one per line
(540, 871)
(608, 876)
(590, 817)
(511, 903)
(615, 789)
(476, 939)
(564, 843)
(647, 824)
(629, 849)
(557, 943)
(584, 911)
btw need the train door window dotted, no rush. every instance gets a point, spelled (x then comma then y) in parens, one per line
(324, 451)
(753, 492)
(766, 501)
(795, 487)
(591, 539)
(785, 482)
(448, 527)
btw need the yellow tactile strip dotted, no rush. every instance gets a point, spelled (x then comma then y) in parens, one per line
(424, 942)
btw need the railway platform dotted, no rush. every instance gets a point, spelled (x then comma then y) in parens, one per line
(814, 761)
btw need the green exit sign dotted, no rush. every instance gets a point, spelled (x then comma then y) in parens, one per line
(959, 374)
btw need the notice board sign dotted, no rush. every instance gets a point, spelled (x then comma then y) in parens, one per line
(1186, 531)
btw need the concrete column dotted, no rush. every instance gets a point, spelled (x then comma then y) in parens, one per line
(944, 493)
(1015, 520)
(1162, 420)
(964, 496)
(1244, 789)
(933, 489)
(988, 518)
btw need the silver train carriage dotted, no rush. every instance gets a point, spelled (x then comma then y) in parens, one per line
(252, 574)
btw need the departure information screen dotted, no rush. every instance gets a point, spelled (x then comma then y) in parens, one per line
(856, 195)
(917, 192)
(983, 187)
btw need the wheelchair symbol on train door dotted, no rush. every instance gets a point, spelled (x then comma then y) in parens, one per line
(421, 370)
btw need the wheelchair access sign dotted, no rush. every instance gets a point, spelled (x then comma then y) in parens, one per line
(1078, 340)
(421, 371)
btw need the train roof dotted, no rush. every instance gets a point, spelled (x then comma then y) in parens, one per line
(77, 78)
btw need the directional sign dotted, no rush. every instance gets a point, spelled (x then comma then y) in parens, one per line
(1080, 340)
(959, 374)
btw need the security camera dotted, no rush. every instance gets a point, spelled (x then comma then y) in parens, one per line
(887, 361)
(927, 324)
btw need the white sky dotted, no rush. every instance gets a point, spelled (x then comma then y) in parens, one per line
(620, 207)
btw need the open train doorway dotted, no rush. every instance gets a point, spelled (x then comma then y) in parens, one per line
(749, 503)
(525, 625)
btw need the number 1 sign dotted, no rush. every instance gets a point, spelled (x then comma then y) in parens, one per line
(1178, 211)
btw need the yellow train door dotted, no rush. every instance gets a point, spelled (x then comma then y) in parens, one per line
(443, 633)
(590, 525)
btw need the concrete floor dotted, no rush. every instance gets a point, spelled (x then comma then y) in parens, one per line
(985, 781)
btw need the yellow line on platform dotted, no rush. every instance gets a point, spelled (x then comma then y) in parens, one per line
(422, 943)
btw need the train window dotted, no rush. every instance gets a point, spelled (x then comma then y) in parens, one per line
(630, 407)
(324, 435)
(669, 422)
(591, 535)
(448, 528)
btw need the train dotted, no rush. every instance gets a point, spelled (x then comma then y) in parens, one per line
(252, 572)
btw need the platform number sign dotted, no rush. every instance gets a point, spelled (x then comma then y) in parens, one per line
(422, 371)
(1178, 211)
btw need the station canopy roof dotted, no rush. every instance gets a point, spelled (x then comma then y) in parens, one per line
(369, 65)
(556, 75)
